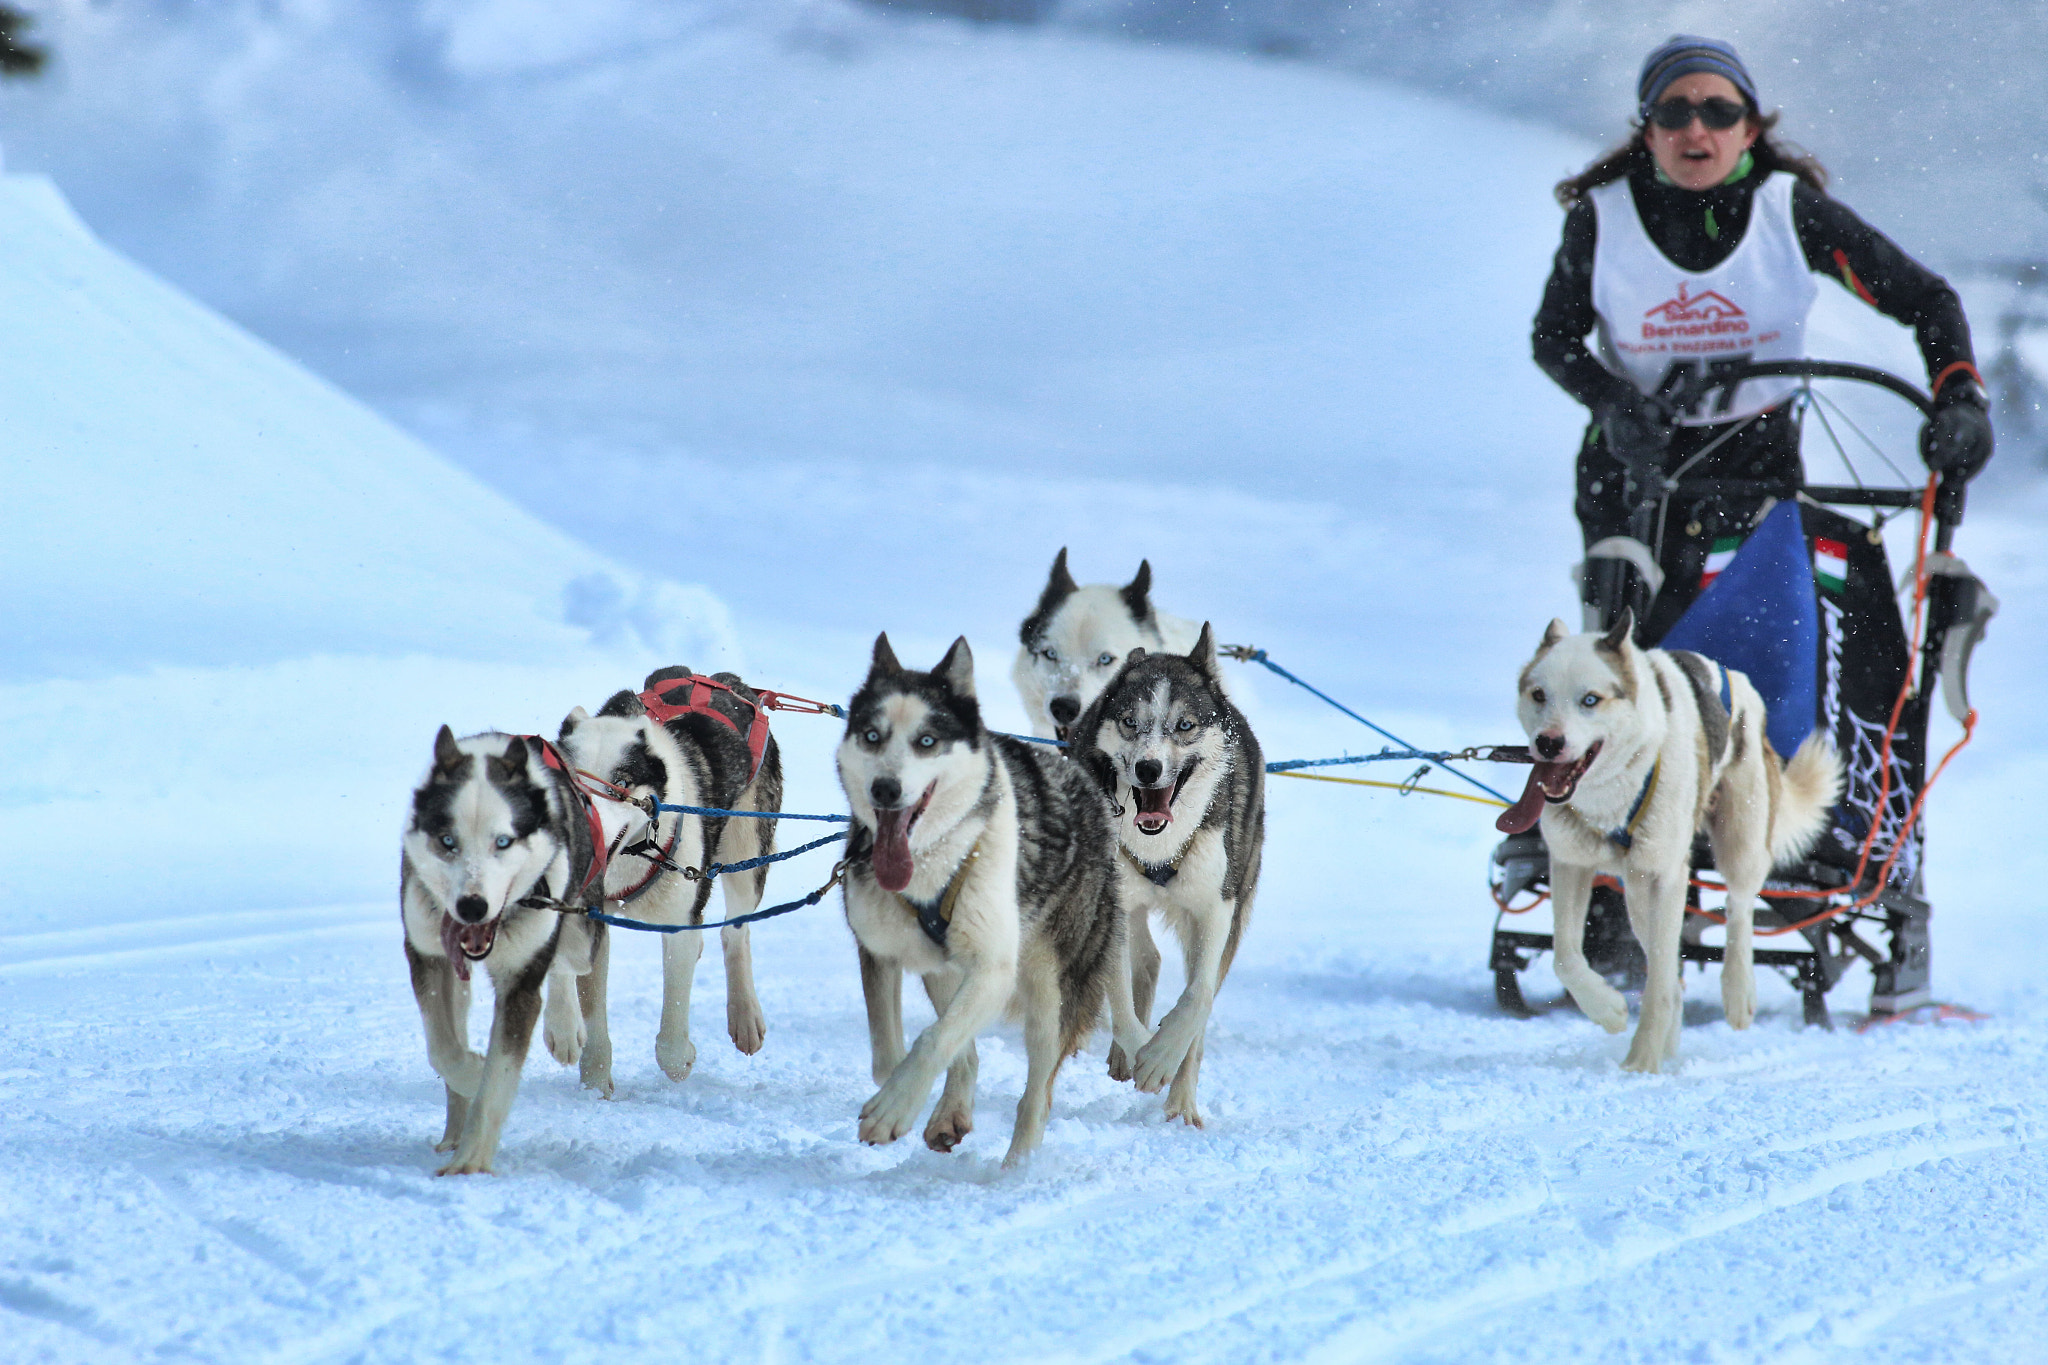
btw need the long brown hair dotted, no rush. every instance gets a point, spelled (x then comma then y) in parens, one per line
(1771, 155)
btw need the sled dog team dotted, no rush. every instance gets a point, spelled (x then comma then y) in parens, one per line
(1015, 878)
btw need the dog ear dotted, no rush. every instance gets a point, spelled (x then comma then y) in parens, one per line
(1136, 656)
(1554, 632)
(510, 765)
(1203, 655)
(956, 670)
(448, 755)
(884, 662)
(569, 724)
(624, 704)
(1618, 636)
(1136, 593)
(1058, 588)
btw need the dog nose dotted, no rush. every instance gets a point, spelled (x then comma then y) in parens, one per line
(1064, 709)
(471, 909)
(1148, 770)
(1549, 746)
(885, 791)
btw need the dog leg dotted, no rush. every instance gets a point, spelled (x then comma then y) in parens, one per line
(881, 986)
(443, 1000)
(1041, 991)
(672, 1046)
(1656, 911)
(743, 1019)
(591, 990)
(1202, 943)
(953, 1117)
(519, 1006)
(977, 1001)
(562, 1020)
(1744, 859)
(1180, 1100)
(1571, 892)
(1131, 987)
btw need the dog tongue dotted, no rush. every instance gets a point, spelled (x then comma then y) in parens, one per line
(1155, 808)
(451, 944)
(1524, 812)
(891, 862)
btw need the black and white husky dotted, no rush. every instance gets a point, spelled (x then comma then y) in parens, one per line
(689, 759)
(497, 820)
(1180, 761)
(985, 865)
(1074, 641)
(1638, 750)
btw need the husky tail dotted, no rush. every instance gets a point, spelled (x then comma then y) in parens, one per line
(1807, 792)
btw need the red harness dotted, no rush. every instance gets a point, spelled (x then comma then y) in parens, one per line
(697, 702)
(600, 855)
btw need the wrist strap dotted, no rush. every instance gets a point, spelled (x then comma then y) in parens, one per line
(1942, 378)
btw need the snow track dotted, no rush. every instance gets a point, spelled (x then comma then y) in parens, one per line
(223, 1151)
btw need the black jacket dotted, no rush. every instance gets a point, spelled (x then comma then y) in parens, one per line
(1698, 229)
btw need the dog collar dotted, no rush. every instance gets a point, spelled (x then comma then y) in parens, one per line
(1159, 874)
(936, 916)
(1624, 837)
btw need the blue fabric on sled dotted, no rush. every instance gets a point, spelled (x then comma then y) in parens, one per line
(1759, 618)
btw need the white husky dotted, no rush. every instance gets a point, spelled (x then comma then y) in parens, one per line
(1637, 751)
(1076, 639)
(498, 820)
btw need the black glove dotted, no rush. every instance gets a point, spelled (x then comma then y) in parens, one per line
(1637, 428)
(1957, 439)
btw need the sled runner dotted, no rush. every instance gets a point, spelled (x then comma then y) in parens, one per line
(1801, 597)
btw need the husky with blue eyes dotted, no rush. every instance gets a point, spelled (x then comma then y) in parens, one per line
(1184, 771)
(1636, 751)
(985, 865)
(1074, 641)
(497, 821)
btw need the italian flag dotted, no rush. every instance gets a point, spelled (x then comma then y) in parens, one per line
(1719, 558)
(1831, 564)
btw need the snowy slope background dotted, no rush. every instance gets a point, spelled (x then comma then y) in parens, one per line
(755, 329)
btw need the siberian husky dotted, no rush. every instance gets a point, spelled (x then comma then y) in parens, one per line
(1189, 783)
(497, 820)
(1638, 750)
(1076, 638)
(985, 865)
(692, 759)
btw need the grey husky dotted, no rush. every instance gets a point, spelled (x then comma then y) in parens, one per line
(1076, 638)
(1180, 761)
(497, 820)
(694, 758)
(985, 865)
(1638, 750)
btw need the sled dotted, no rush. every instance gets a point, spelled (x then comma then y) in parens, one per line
(1861, 893)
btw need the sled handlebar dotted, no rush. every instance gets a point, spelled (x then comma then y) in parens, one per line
(1948, 501)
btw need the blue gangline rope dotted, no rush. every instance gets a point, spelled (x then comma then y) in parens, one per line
(621, 922)
(750, 814)
(1258, 656)
(720, 869)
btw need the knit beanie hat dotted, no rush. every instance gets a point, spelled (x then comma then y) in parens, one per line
(1683, 55)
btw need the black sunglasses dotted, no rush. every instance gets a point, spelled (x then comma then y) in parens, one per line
(1716, 113)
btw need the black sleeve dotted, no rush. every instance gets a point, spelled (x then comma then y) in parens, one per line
(1566, 315)
(1844, 247)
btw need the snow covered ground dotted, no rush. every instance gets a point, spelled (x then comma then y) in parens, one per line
(931, 302)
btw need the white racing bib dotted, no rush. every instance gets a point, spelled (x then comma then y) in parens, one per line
(1654, 315)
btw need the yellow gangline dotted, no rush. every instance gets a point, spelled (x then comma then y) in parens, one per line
(1393, 787)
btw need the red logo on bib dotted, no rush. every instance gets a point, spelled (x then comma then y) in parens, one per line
(1707, 307)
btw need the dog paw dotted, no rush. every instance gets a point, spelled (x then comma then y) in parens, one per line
(676, 1056)
(446, 1144)
(1119, 1063)
(947, 1128)
(1605, 1007)
(565, 1044)
(1158, 1062)
(465, 1165)
(887, 1115)
(1644, 1058)
(1738, 1001)
(744, 1023)
(1185, 1111)
(596, 1071)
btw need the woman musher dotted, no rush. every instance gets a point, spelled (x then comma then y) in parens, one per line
(1694, 245)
